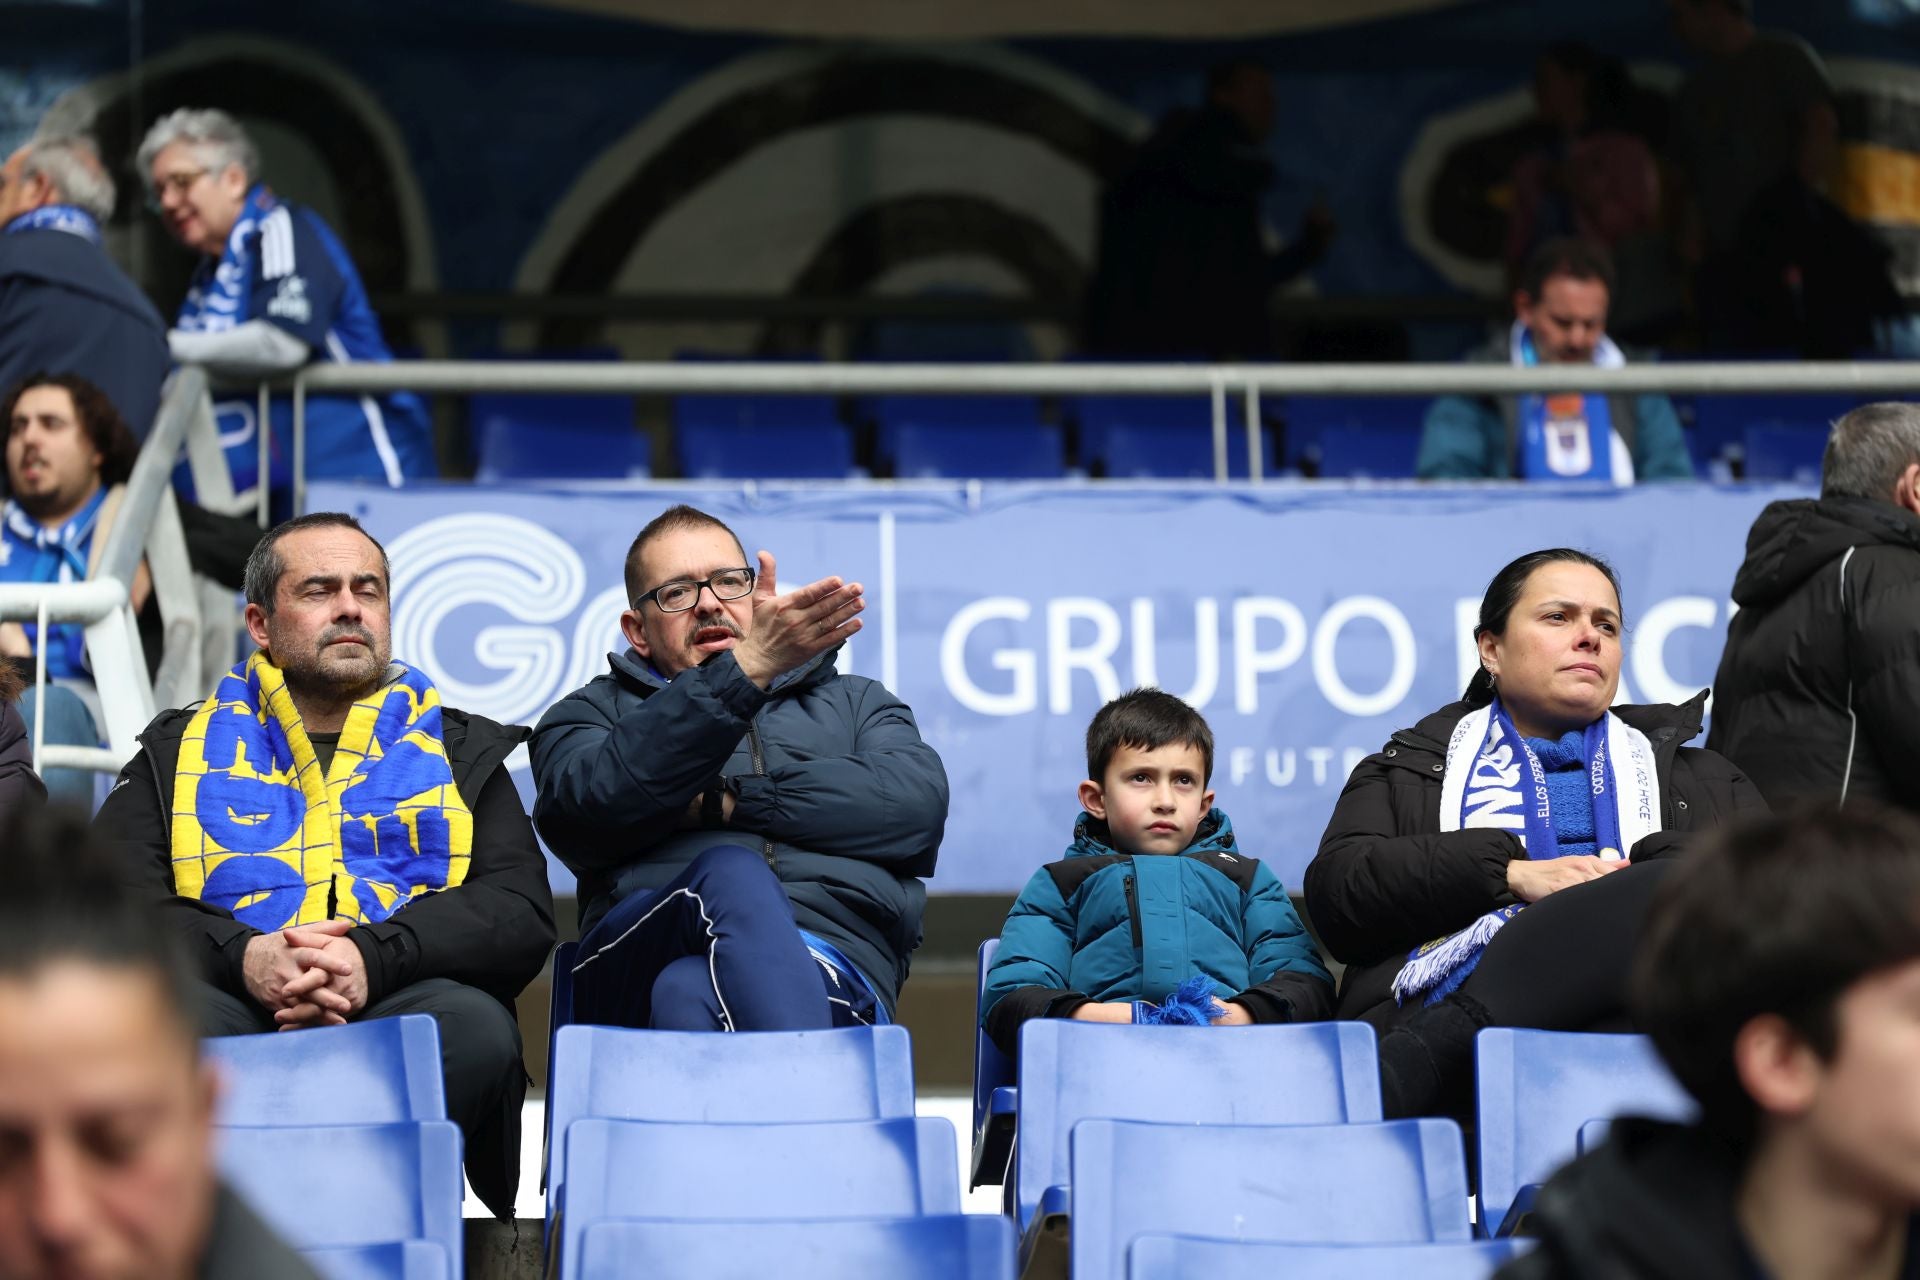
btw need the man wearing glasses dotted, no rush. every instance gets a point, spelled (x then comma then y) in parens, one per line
(749, 826)
(274, 290)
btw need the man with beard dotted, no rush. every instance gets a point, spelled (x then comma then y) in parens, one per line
(333, 844)
(751, 828)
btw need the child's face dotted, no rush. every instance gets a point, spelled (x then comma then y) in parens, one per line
(1152, 801)
(1863, 1107)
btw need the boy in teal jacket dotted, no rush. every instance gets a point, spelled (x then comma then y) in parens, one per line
(1154, 915)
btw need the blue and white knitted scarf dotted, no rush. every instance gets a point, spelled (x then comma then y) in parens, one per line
(71, 219)
(1494, 779)
(218, 298)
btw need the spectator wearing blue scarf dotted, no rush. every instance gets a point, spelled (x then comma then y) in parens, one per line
(275, 290)
(67, 453)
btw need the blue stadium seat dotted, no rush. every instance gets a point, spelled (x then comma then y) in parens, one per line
(406, 1260)
(1162, 437)
(1398, 1182)
(375, 1072)
(335, 1185)
(1592, 1134)
(1777, 452)
(993, 1092)
(964, 437)
(716, 1172)
(1197, 1258)
(851, 1073)
(1721, 422)
(1537, 1088)
(1353, 436)
(732, 437)
(1309, 1073)
(529, 437)
(943, 1247)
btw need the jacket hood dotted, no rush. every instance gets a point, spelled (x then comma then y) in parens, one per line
(1092, 839)
(1794, 539)
(640, 673)
(1655, 719)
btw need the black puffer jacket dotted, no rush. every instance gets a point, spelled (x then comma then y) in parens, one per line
(1656, 1201)
(1818, 695)
(1387, 879)
(20, 787)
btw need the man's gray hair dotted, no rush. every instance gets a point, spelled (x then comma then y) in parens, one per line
(1869, 450)
(71, 166)
(218, 137)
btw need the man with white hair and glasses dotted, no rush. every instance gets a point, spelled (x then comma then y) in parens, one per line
(275, 290)
(64, 304)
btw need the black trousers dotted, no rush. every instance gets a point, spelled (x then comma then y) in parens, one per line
(486, 1082)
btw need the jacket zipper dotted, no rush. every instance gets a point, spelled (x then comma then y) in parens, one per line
(759, 768)
(1133, 910)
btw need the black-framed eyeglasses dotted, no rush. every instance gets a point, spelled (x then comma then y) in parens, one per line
(680, 596)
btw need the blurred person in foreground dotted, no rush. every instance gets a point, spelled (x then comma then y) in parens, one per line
(106, 1106)
(1779, 977)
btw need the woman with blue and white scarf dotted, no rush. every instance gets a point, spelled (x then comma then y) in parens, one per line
(1528, 812)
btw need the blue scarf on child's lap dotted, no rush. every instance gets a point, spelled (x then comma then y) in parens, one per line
(1496, 778)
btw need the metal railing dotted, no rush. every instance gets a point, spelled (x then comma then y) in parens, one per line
(1223, 384)
(146, 527)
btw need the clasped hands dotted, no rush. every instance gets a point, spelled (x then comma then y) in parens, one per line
(309, 975)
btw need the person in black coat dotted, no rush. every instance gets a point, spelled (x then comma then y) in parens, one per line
(20, 787)
(1818, 693)
(1797, 1039)
(1528, 791)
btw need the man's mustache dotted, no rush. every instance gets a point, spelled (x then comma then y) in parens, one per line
(359, 633)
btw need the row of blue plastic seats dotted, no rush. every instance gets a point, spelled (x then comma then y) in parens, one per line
(1536, 1090)
(1006, 437)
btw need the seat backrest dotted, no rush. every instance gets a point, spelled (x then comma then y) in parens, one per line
(848, 1073)
(1393, 1182)
(1308, 1073)
(991, 1068)
(335, 1185)
(945, 1247)
(1195, 1258)
(1779, 452)
(986, 451)
(379, 1071)
(1537, 1088)
(716, 1172)
(403, 1260)
(764, 450)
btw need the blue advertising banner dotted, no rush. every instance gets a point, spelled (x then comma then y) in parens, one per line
(1306, 621)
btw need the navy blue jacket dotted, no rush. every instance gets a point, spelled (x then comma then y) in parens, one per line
(66, 308)
(832, 785)
(1100, 925)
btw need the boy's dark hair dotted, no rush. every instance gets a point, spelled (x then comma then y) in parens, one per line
(1146, 719)
(266, 565)
(678, 516)
(1777, 917)
(106, 430)
(66, 901)
(1566, 256)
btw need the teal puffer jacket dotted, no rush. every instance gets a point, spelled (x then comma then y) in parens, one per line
(1104, 926)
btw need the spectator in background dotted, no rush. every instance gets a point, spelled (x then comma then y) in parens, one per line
(107, 1167)
(1758, 110)
(1183, 266)
(68, 455)
(1597, 180)
(1818, 692)
(332, 843)
(276, 291)
(1560, 317)
(20, 786)
(63, 302)
(1778, 977)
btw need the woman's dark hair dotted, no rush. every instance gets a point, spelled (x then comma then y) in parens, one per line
(1504, 592)
(10, 682)
(1778, 917)
(112, 439)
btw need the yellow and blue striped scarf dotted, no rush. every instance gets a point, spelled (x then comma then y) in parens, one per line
(261, 831)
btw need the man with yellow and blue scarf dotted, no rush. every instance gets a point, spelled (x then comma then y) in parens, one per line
(334, 844)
